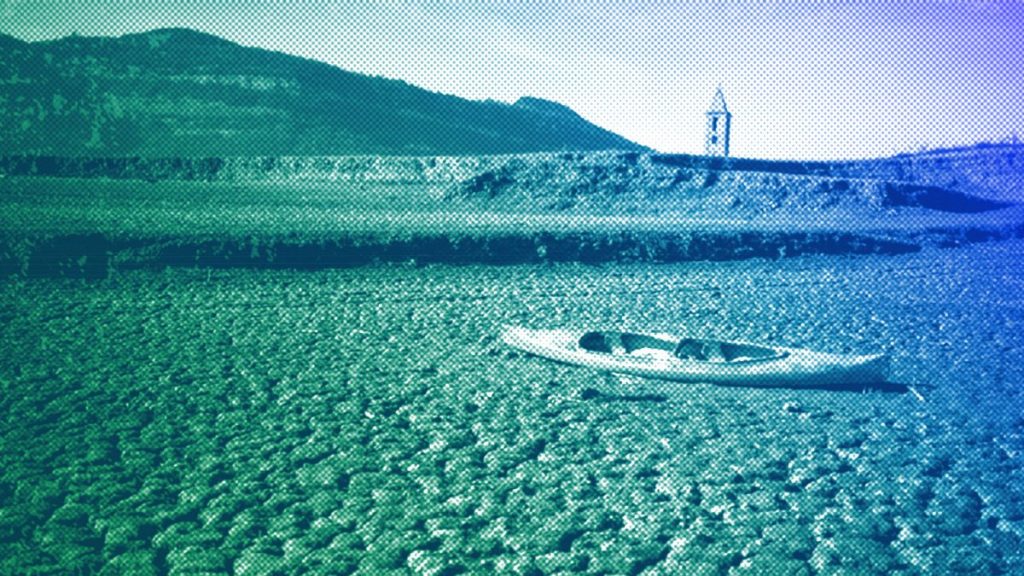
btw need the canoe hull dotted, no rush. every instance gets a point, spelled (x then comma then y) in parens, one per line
(789, 367)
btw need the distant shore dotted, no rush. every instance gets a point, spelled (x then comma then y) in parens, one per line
(88, 217)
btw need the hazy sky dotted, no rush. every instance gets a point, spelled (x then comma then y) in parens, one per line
(802, 79)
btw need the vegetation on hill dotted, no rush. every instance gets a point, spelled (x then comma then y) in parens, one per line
(177, 92)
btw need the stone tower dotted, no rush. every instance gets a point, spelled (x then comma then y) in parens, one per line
(716, 135)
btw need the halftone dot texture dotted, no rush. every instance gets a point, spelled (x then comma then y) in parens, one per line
(251, 303)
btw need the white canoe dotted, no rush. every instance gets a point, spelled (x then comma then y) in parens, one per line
(682, 359)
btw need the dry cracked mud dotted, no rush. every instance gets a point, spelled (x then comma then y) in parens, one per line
(368, 420)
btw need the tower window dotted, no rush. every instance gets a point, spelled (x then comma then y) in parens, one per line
(714, 123)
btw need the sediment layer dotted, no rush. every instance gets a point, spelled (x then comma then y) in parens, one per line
(89, 216)
(97, 255)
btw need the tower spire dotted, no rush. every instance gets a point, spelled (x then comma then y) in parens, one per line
(717, 128)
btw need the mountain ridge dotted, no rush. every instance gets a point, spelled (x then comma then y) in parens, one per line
(181, 92)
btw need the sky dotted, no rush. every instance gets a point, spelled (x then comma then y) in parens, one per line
(803, 79)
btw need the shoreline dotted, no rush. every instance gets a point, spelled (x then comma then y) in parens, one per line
(97, 254)
(82, 217)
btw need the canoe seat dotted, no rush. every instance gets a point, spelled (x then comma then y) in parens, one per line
(718, 351)
(600, 342)
(689, 349)
(713, 351)
(702, 350)
(619, 343)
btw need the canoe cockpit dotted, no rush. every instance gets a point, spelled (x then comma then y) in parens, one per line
(626, 343)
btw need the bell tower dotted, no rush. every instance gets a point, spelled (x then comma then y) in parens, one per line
(716, 133)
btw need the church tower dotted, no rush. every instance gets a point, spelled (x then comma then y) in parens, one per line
(716, 135)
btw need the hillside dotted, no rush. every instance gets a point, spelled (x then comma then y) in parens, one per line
(177, 92)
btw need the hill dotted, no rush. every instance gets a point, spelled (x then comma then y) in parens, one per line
(181, 93)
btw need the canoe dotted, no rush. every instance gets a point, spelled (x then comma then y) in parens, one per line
(678, 358)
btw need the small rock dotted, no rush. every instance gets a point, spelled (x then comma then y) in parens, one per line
(142, 563)
(255, 562)
(192, 559)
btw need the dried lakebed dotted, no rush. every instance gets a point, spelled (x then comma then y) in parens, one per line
(368, 420)
(76, 227)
